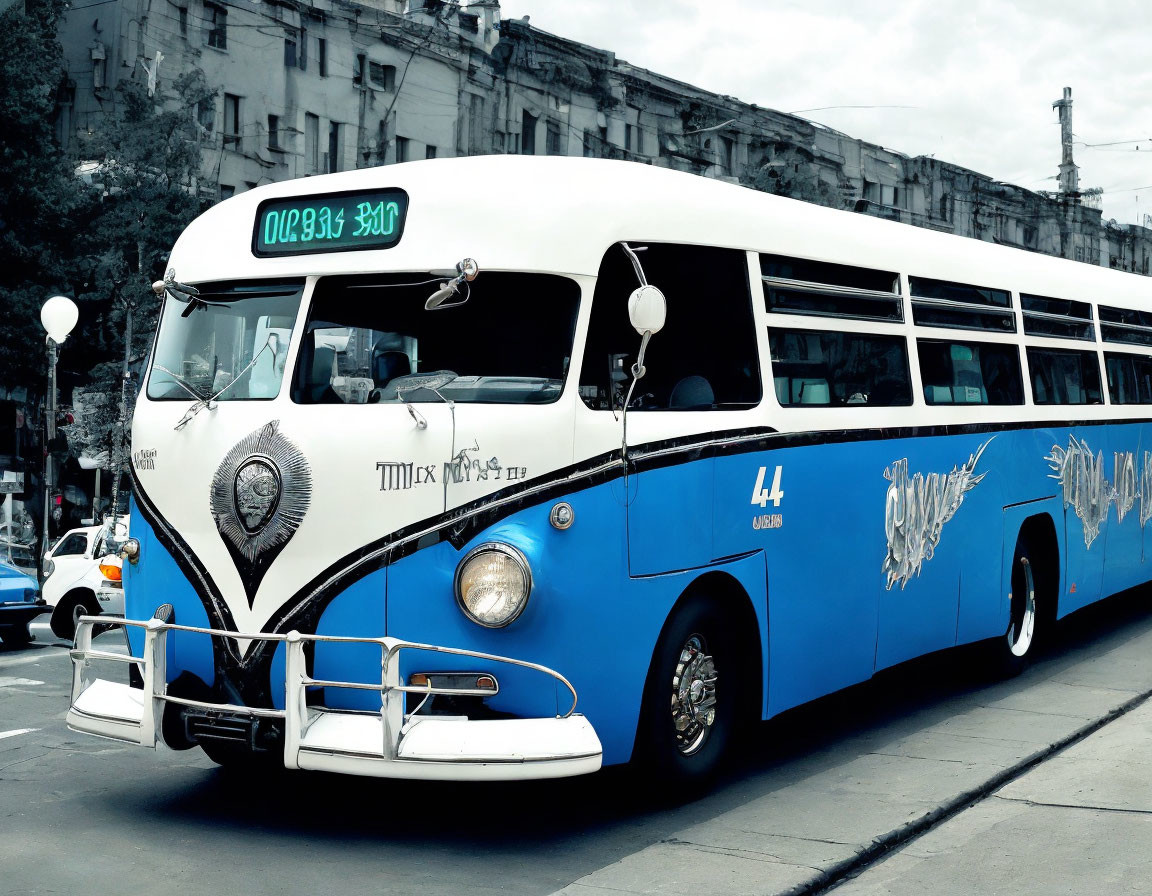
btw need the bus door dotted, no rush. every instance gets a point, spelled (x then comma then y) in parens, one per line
(700, 382)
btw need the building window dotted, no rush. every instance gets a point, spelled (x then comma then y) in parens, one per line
(227, 191)
(528, 134)
(333, 147)
(552, 139)
(322, 57)
(358, 72)
(311, 142)
(727, 154)
(290, 60)
(206, 113)
(182, 13)
(401, 149)
(217, 17)
(429, 152)
(273, 131)
(99, 65)
(232, 121)
(382, 76)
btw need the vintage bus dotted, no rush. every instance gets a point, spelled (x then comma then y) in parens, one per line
(510, 467)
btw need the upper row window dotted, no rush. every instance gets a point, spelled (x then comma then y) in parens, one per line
(941, 303)
(822, 289)
(1061, 318)
(1127, 325)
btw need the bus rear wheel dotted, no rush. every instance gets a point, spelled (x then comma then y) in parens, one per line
(691, 698)
(1016, 648)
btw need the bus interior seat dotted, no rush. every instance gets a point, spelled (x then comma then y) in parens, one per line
(319, 388)
(938, 394)
(387, 363)
(692, 392)
(810, 391)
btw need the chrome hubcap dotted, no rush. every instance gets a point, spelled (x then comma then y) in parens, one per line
(1022, 624)
(693, 696)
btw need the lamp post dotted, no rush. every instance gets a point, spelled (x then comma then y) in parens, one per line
(58, 315)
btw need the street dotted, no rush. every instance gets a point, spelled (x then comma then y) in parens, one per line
(869, 791)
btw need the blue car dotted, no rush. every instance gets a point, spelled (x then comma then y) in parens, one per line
(20, 603)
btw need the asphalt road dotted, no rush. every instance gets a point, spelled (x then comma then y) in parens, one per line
(78, 814)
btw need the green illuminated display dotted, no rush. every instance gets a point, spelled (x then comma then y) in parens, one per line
(336, 222)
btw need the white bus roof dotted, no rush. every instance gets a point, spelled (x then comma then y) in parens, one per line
(560, 214)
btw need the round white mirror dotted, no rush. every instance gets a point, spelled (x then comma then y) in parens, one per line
(647, 309)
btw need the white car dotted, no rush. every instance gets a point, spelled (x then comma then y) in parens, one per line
(81, 580)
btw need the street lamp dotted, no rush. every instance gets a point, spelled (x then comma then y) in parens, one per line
(58, 315)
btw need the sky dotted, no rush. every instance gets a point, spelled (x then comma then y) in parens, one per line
(971, 82)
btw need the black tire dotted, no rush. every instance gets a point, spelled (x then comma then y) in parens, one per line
(237, 758)
(1014, 651)
(69, 610)
(693, 698)
(16, 635)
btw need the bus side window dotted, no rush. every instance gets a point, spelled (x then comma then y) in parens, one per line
(821, 368)
(705, 358)
(958, 373)
(1061, 376)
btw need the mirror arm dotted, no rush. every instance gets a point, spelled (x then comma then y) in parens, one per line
(635, 262)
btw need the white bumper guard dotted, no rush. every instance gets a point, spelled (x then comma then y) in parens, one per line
(387, 744)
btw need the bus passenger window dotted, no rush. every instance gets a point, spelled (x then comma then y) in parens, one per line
(959, 373)
(1064, 377)
(820, 368)
(705, 358)
(1129, 378)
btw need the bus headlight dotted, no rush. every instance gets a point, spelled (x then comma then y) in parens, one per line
(493, 583)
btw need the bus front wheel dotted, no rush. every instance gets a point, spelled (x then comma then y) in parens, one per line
(691, 697)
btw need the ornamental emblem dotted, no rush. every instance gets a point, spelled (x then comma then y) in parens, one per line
(259, 496)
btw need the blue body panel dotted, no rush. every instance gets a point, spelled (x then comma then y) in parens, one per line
(872, 551)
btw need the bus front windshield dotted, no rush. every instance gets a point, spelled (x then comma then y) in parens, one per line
(506, 338)
(229, 343)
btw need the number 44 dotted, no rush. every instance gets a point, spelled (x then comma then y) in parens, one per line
(761, 495)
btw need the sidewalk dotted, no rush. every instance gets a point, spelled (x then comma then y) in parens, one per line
(1056, 762)
(1079, 823)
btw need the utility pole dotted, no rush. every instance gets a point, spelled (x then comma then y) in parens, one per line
(1069, 174)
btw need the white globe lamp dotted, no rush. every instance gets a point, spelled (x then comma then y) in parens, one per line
(59, 316)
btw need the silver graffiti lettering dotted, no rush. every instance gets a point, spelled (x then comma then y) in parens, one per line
(1124, 474)
(1081, 476)
(915, 511)
(1146, 489)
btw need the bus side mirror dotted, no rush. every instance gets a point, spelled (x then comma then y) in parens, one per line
(647, 310)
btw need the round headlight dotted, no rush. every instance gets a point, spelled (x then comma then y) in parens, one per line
(49, 568)
(493, 582)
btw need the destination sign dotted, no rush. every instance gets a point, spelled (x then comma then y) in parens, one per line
(335, 222)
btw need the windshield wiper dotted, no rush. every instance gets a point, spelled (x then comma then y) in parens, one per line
(201, 402)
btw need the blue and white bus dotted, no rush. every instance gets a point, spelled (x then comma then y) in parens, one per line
(509, 467)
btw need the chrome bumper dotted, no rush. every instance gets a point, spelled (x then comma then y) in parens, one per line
(387, 744)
